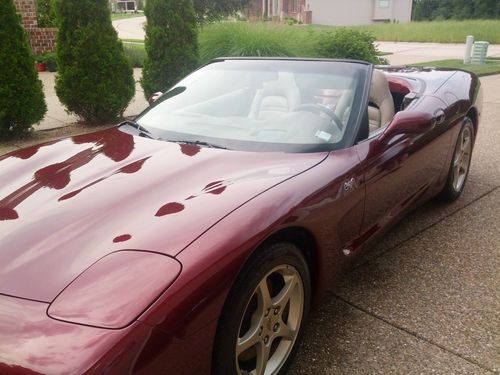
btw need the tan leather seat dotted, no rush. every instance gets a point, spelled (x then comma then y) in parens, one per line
(381, 108)
(276, 98)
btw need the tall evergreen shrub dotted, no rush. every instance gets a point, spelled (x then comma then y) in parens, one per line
(171, 43)
(95, 80)
(21, 96)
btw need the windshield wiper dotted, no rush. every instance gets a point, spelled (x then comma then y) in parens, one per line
(199, 143)
(143, 132)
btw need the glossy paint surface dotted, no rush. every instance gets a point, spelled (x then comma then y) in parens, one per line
(115, 290)
(31, 343)
(84, 198)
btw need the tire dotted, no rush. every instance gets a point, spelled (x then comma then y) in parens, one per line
(254, 326)
(460, 163)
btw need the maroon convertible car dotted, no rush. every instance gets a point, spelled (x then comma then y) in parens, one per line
(194, 239)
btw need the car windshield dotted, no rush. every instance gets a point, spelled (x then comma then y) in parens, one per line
(262, 105)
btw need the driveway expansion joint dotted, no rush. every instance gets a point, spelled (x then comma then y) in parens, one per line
(412, 333)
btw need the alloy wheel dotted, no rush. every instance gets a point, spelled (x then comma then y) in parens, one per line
(461, 159)
(271, 322)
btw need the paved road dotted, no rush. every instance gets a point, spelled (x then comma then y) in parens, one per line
(426, 300)
(130, 28)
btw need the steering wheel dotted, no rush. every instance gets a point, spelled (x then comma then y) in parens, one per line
(317, 108)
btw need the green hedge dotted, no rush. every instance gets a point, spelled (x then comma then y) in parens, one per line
(171, 43)
(95, 80)
(348, 44)
(22, 103)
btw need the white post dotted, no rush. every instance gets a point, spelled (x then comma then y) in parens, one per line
(469, 41)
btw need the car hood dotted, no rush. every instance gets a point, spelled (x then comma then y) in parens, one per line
(66, 204)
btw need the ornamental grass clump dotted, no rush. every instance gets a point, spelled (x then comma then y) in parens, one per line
(252, 39)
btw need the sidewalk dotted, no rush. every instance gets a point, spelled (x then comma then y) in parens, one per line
(57, 117)
(411, 53)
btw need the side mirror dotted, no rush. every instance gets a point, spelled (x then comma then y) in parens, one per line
(153, 98)
(409, 123)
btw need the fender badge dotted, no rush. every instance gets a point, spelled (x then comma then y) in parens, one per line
(349, 185)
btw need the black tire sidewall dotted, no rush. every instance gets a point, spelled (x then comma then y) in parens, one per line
(259, 265)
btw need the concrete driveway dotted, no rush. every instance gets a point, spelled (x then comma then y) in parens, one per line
(426, 300)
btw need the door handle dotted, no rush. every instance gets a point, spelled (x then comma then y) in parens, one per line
(439, 116)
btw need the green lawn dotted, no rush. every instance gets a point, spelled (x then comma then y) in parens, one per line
(435, 31)
(492, 66)
(121, 16)
(141, 41)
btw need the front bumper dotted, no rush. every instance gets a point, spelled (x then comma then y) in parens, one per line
(33, 343)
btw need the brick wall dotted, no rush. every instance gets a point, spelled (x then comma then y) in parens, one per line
(42, 39)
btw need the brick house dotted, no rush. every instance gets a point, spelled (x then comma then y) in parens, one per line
(335, 12)
(41, 39)
(276, 9)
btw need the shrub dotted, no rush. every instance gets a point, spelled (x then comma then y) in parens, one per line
(135, 54)
(171, 43)
(46, 57)
(21, 96)
(348, 44)
(95, 80)
(213, 10)
(45, 13)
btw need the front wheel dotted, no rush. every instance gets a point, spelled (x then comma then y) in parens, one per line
(262, 320)
(460, 164)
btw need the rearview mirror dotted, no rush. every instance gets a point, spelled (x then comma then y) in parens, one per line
(153, 98)
(409, 123)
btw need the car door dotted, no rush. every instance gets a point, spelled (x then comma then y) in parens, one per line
(402, 171)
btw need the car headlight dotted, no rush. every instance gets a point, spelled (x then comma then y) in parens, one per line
(115, 290)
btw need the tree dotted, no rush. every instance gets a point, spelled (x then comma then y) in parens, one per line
(455, 9)
(213, 10)
(22, 103)
(95, 80)
(45, 13)
(171, 43)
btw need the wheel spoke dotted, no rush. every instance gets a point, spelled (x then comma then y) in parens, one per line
(251, 338)
(465, 163)
(286, 332)
(262, 358)
(456, 175)
(264, 296)
(456, 159)
(465, 145)
(284, 295)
